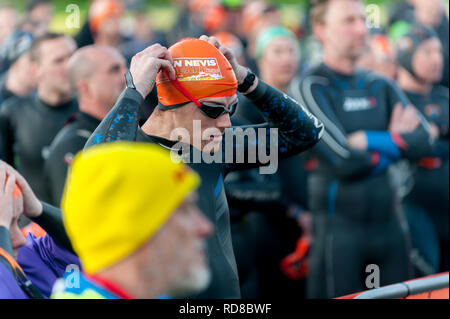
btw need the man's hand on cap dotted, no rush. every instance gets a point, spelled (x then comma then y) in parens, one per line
(32, 207)
(239, 70)
(146, 64)
(6, 197)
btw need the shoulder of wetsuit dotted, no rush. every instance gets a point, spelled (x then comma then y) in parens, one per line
(15, 104)
(66, 137)
(372, 77)
(317, 70)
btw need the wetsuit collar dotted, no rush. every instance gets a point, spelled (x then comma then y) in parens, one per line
(110, 286)
(338, 74)
(88, 118)
(61, 106)
(157, 140)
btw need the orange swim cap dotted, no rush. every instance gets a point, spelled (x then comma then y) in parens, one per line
(202, 70)
(102, 10)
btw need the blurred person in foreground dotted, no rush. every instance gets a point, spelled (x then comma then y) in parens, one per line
(151, 241)
(370, 124)
(29, 266)
(28, 125)
(96, 75)
(421, 66)
(197, 81)
(19, 79)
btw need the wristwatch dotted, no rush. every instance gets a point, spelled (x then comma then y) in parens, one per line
(129, 80)
(248, 81)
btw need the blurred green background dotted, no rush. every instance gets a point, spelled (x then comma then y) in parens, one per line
(163, 13)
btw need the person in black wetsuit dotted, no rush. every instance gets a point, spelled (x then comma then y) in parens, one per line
(28, 125)
(428, 13)
(356, 216)
(96, 74)
(17, 79)
(298, 130)
(419, 54)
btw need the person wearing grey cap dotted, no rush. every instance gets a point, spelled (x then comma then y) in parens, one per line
(18, 79)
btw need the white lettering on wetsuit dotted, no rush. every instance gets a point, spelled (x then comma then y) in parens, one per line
(352, 104)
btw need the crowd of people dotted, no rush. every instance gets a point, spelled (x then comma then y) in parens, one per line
(116, 179)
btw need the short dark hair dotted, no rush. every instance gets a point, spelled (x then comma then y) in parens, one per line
(34, 50)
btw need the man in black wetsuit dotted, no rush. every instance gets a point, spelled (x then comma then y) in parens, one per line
(96, 74)
(28, 125)
(213, 80)
(356, 220)
(18, 79)
(419, 54)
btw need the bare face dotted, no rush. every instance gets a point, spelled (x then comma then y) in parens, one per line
(41, 16)
(181, 249)
(24, 72)
(212, 130)
(107, 81)
(51, 68)
(428, 61)
(344, 30)
(280, 62)
(429, 12)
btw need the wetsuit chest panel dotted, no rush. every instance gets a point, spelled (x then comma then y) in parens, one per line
(434, 107)
(34, 127)
(361, 106)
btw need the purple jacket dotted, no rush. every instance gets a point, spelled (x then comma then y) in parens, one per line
(42, 261)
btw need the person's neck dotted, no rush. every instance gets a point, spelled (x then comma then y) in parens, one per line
(92, 107)
(128, 278)
(14, 85)
(409, 83)
(343, 65)
(53, 98)
(159, 124)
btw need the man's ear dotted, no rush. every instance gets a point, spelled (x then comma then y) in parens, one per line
(319, 31)
(34, 67)
(83, 88)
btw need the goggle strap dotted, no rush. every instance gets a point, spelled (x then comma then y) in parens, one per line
(182, 90)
